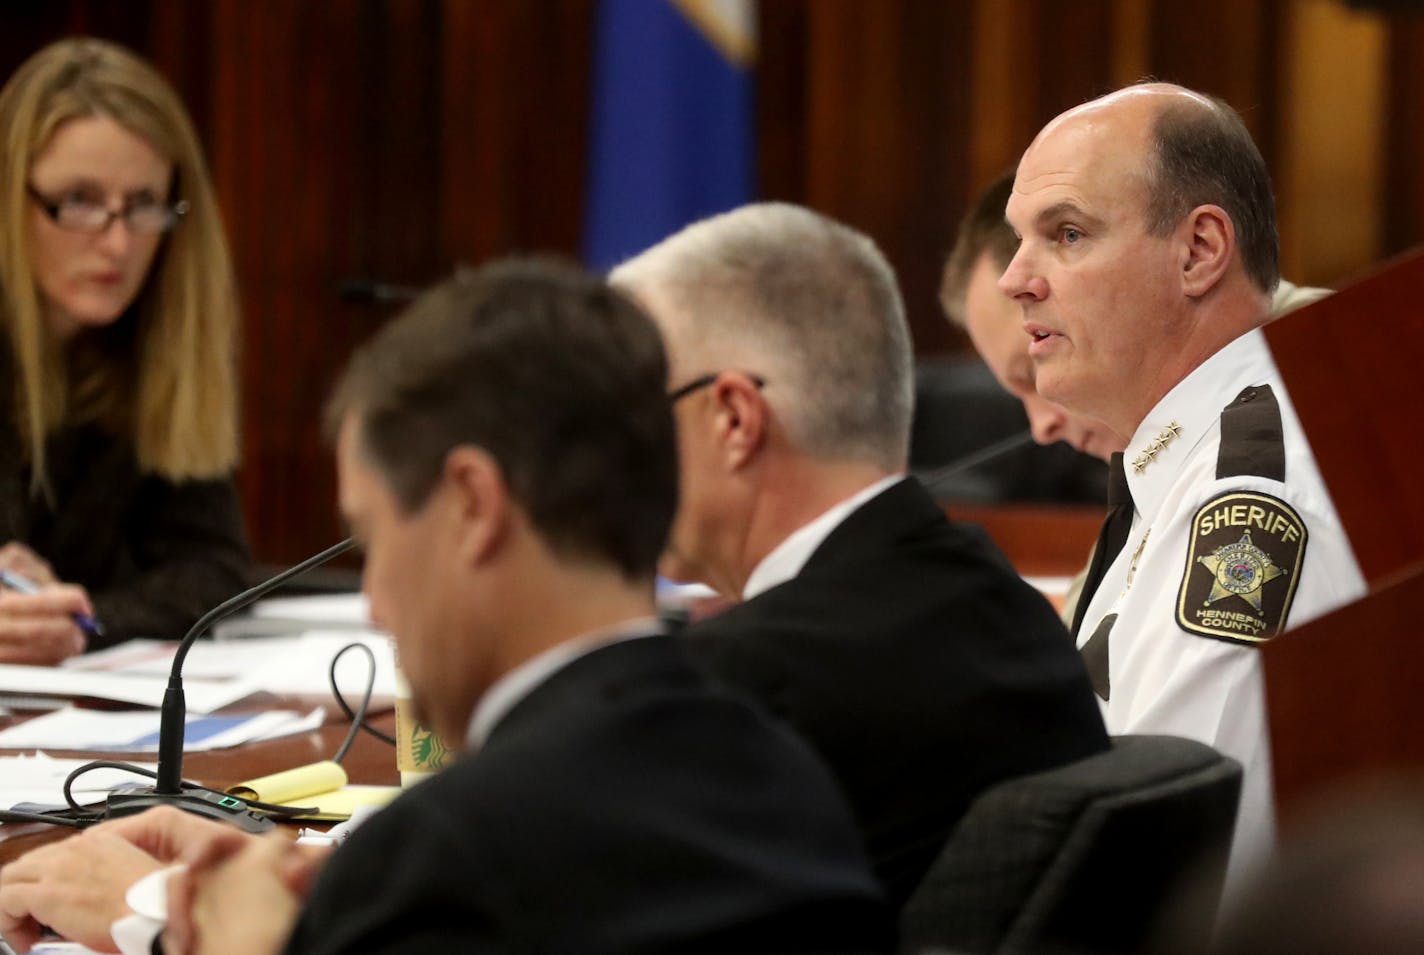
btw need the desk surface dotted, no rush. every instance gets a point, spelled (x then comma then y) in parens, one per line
(1038, 539)
(369, 761)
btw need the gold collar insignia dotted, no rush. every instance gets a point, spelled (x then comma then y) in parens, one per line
(1149, 453)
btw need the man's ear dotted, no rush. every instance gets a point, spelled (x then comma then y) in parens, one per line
(477, 501)
(741, 417)
(1210, 245)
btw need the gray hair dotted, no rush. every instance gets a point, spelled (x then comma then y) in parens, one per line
(808, 304)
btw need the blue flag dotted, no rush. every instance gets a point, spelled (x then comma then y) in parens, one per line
(672, 125)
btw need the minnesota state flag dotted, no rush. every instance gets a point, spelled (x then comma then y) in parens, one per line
(672, 135)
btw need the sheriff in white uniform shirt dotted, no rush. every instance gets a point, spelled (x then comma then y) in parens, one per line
(1233, 540)
(1147, 258)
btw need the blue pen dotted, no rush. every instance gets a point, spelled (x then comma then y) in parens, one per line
(19, 582)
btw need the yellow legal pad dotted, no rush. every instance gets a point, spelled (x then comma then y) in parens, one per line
(322, 785)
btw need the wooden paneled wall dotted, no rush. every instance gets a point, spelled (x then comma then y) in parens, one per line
(389, 139)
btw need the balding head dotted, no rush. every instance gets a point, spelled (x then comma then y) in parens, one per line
(1131, 269)
(1187, 149)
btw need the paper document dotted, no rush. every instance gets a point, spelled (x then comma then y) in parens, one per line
(296, 665)
(349, 608)
(39, 780)
(288, 615)
(74, 728)
(203, 696)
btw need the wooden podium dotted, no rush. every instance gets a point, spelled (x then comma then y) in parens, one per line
(1345, 693)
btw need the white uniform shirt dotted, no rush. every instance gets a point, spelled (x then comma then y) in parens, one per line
(1243, 562)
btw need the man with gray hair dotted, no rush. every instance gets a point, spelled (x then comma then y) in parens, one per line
(900, 644)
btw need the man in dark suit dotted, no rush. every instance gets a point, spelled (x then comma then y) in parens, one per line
(900, 644)
(506, 457)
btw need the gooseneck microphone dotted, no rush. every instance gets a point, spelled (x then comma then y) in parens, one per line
(364, 291)
(974, 459)
(168, 790)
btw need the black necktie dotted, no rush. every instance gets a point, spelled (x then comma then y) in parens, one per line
(1110, 541)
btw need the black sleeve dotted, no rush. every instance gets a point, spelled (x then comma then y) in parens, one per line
(406, 883)
(189, 553)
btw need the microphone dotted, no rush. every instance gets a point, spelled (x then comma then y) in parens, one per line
(363, 291)
(975, 458)
(168, 790)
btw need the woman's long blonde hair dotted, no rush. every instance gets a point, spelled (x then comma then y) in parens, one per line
(164, 374)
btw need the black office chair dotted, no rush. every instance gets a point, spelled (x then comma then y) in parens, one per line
(1078, 859)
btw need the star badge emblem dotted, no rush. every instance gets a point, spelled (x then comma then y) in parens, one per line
(1224, 560)
(1239, 569)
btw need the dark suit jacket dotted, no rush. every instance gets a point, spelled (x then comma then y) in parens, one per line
(626, 805)
(154, 555)
(918, 663)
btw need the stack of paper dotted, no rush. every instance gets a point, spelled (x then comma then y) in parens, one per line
(203, 696)
(286, 615)
(78, 729)
(293, 665)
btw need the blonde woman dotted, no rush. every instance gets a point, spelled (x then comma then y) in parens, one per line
(118, 407)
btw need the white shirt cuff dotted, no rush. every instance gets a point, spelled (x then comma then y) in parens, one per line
(148, 898)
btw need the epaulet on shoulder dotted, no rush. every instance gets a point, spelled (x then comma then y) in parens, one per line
(1252, 440)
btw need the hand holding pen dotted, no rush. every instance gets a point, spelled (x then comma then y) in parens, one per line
(41, 623)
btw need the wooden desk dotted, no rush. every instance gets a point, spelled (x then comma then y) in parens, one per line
(1039, 539)
(368, 761)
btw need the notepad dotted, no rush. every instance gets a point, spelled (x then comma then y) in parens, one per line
(322, 785)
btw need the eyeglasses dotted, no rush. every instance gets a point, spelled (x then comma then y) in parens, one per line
(78, 213)
(703, 381)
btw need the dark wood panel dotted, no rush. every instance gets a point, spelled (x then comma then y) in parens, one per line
(515, 90)
(387, 140)
(1227, 48)
(1404, 136)
(1353, 388)
(1074, 45)
(30, 24)
(865, 116)
(782, 94)
(1343, 692)
(285, 156)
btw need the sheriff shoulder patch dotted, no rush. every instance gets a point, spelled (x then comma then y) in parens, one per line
(1243, 563)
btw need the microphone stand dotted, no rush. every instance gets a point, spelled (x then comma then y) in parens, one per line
(975, 458)
(168, 790)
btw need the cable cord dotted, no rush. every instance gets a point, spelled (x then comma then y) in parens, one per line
(274, 809)
(357, 717)
(10, 815)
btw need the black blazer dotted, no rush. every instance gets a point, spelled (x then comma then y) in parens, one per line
(626, 805)
(920, 666)
(154, 555)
